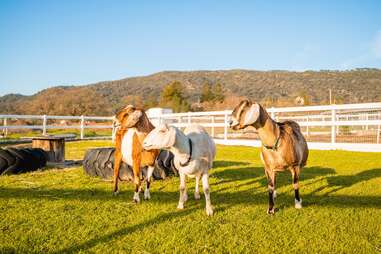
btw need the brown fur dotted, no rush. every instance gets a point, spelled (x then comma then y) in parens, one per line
(141, 158)
(291, 153)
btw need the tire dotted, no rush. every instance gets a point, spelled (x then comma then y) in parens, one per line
(38, 157)
(164, 163)
(3, 165)
(32, 160)
(8, 157)
(88, 161)
(103, 157)
(125, 172)
(20, 162)
(107, 163)
(42, 155)
(100, 162)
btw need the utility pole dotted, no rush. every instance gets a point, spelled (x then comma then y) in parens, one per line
(330, 96)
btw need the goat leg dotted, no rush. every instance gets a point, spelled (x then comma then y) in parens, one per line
(295, 171)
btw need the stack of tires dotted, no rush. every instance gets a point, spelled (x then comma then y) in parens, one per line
(100, 162)
(15, 161)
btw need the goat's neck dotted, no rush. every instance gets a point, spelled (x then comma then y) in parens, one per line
(268, 132)
(181, 147)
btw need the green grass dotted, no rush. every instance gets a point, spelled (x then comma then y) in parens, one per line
(65, 211)
(88, 133)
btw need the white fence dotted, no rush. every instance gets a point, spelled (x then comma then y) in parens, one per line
(348, 126)
(81, 123)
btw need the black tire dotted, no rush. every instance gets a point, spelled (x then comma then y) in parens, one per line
(3, 165)
(106, 162)
(125, 172)
(8, 157)
(42, 156)
(20, 164)
(32, 161)
(164, 163)
(88, 162)
(38, 157)
(100, 162)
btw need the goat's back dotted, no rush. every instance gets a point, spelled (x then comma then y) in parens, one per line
(203, 144)
(292, 134)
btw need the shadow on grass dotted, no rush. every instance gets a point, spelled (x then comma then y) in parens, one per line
(222, 164)
(125, 231)
(339, 182)
(258, 175)
(230, 197)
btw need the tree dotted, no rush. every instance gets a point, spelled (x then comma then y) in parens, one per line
(218, 93)
(172, 96)
(206, 92)
(213, 93)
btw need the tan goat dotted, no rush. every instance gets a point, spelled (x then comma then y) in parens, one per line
(283, 145)
(132, 126)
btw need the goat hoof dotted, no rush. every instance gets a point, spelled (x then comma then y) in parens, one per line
(115, 193)
(180, 206)
(147, 195)
(185, 197)
(271, 211)
(197, 196)
(298, 204)
(209, 211)
(136, 198)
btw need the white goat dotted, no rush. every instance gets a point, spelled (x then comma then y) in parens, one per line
(194, 153)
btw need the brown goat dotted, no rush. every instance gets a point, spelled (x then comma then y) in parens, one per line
(132, 126)
(283, 145)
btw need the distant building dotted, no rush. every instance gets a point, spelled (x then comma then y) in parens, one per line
(155, 113)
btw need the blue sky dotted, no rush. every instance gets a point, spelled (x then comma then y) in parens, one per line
(49, 43)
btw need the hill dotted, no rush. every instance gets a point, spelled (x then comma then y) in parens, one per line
(272, 88)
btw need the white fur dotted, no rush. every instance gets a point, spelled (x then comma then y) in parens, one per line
(298, 204)
(136, 197)
(127, 146)
(203, 153)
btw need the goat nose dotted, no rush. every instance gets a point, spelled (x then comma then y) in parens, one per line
(230, 122)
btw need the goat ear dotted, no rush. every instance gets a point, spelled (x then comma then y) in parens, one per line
(252, 114)
(163, 127)
(172, 136)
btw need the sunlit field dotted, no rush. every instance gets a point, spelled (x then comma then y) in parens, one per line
(66, 211)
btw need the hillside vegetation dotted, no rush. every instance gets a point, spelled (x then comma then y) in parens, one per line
(272, 88)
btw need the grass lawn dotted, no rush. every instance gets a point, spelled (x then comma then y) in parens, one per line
(65, 211)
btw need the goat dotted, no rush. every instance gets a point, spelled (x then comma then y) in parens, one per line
(132, 126)
(193, 151)
(283, 145)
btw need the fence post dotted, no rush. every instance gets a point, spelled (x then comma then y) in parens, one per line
(82, 126)
(5, 129)
(333, 127)
(378, 128)
(113, 133)
(212, 126)
(44, 121)
(226, 125)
